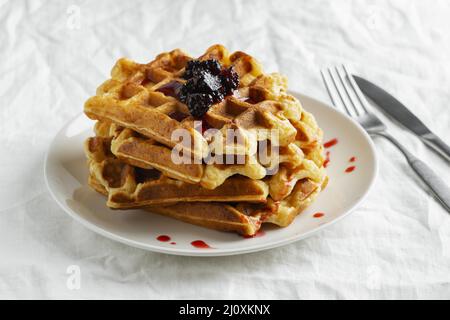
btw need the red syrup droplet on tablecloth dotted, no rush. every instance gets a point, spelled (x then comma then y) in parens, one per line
(258, 234)
(318, 215)
(330, 143)
(163, 238)
(352, 159)
(200, 244)
(350, 169)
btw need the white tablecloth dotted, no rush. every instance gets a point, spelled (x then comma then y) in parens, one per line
(53, 54)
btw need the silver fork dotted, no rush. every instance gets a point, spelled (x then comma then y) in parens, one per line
(346, 95)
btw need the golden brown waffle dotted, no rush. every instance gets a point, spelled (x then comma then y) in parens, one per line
(125, 145)
(125, 101)
(133, 98)
(146, 153)
(243, 218)
(213, 215)
(292, 190)
(120, 180)
(130, 157)
(131, 187)
(302, 195)
(142, 152)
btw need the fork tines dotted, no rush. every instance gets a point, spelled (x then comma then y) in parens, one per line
(343, 91)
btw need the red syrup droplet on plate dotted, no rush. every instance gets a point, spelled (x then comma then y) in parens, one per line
(173, 243)
(163, 238)
(330, 143)
(350, 169)
(200, 244)
(258, 234)
(318, 215)
(352, 159)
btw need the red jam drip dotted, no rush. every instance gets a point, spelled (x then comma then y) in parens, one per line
(178, 116)
(267, 211)
(327, 160)
(258, 234)
(200, 244)
(352, 159)
(318, 215)
(205, 125)
(350, 169)
(170, 89)
(163, 238)
(330, 143)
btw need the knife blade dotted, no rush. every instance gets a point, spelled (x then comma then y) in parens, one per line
(399, 112)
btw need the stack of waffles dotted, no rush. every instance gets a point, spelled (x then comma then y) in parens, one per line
(131, 157)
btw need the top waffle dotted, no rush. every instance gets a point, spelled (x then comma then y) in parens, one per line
(140, 99)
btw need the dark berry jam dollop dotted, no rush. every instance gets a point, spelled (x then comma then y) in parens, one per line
(207, 83)
(195, 67)
(230, 80)
(199, 103)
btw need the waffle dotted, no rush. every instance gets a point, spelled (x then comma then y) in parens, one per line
(135, 98)
(218, 216)
(131, 187)
(293, 164)
(244, 218)
(130, 158)
(246, 206)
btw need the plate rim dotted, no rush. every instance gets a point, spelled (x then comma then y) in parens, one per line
(217, 252)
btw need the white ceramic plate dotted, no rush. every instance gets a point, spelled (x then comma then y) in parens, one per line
(66, 176)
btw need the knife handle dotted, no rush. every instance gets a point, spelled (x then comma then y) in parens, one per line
(437, 144)
(431, 179)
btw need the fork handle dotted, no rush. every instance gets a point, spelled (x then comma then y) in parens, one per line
(437, 144)
(431, 179)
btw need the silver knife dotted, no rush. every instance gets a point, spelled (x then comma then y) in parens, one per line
(400, 113)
